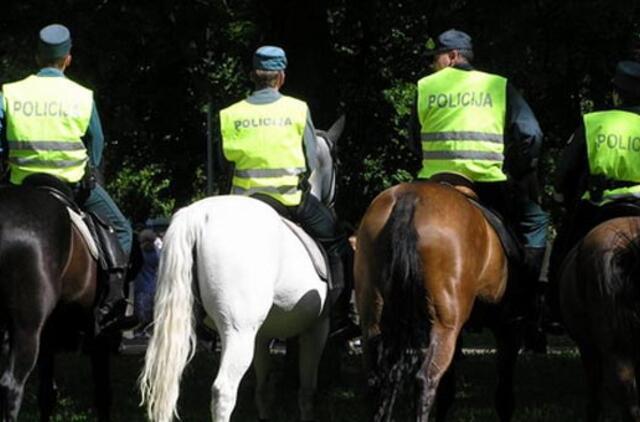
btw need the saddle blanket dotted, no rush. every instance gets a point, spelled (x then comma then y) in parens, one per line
(78, 222)
(316, 253)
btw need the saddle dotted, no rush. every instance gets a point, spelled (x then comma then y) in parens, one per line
(314, 249)
(619, 208)
(512, 246)
(99, 236)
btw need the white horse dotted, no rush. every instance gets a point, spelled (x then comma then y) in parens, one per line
(256, 282)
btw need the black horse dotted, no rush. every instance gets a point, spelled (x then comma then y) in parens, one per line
(48, 289)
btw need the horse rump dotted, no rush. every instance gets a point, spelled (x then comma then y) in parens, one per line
(618, 288)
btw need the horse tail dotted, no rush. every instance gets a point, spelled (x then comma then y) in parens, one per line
(405, 322)
(618, 287)
(173, 342)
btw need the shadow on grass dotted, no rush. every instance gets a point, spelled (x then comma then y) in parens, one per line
(548, 388)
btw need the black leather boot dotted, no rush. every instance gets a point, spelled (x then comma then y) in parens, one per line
(110, 315)
(534, 337)
(551, 316)
(341, 321)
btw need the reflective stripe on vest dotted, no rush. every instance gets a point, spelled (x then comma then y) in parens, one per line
(613, 149)
(46, 118)
(264, 141)
(462, 118)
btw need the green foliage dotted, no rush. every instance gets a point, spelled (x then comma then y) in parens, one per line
(155, 65)
(378, 177)
(142, 193)
(401, 96)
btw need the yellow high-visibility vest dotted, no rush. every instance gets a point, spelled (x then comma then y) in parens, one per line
(265, 142)
(46, 118)
(613, 148)
(462, 117)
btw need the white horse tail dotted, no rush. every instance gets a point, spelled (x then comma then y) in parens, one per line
(173, 342)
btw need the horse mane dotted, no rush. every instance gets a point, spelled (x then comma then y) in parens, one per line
(619, 286)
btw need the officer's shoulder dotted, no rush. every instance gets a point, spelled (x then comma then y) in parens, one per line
(233, 105)
(494, 75)
(79, 86)
(293, 100)
(14, 83)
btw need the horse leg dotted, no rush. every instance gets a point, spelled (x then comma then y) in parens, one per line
(236, 357)
(621, 371)
(47, 389)
(446, 392)
(101, 370)
(262, 367)
(508, 341)
(437, 359)
(22, 359)
(312, 344)
(593, 370)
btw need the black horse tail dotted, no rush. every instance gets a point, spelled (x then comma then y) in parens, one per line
(619, 288)
(405, 323)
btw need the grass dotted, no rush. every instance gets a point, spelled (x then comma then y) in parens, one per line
(548, 388)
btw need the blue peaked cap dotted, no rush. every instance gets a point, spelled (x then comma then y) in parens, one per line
(269, 57)
(451, 39)
(627, 77)
(54, 42)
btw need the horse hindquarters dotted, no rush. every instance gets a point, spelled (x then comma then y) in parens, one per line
(266, 288)
(600, 300)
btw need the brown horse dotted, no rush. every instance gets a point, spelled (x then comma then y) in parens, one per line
(600, 301)
(424, 255)
(48, 283)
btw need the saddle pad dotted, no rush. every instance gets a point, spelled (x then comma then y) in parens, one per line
(76, 220)
(512, 247)
(317, 255)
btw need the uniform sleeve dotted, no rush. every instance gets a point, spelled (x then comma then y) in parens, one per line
(415, 143)
(309, 142)
(523, 136)
(94, 139)
(573, 168)
(222, 167)
(3, 130)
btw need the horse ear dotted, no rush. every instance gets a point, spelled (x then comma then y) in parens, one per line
(336, 129)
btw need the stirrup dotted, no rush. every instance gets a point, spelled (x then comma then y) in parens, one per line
(114, 318)
(344, 327)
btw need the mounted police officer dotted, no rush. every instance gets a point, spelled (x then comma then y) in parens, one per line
(475, 124)
(51, 126)
(268, 151)
(598, 176)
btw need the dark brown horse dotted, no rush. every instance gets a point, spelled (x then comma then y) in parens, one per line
(48, 283)
(600, 302)
(424, 255)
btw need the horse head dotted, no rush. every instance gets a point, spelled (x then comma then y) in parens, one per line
(323, 179)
